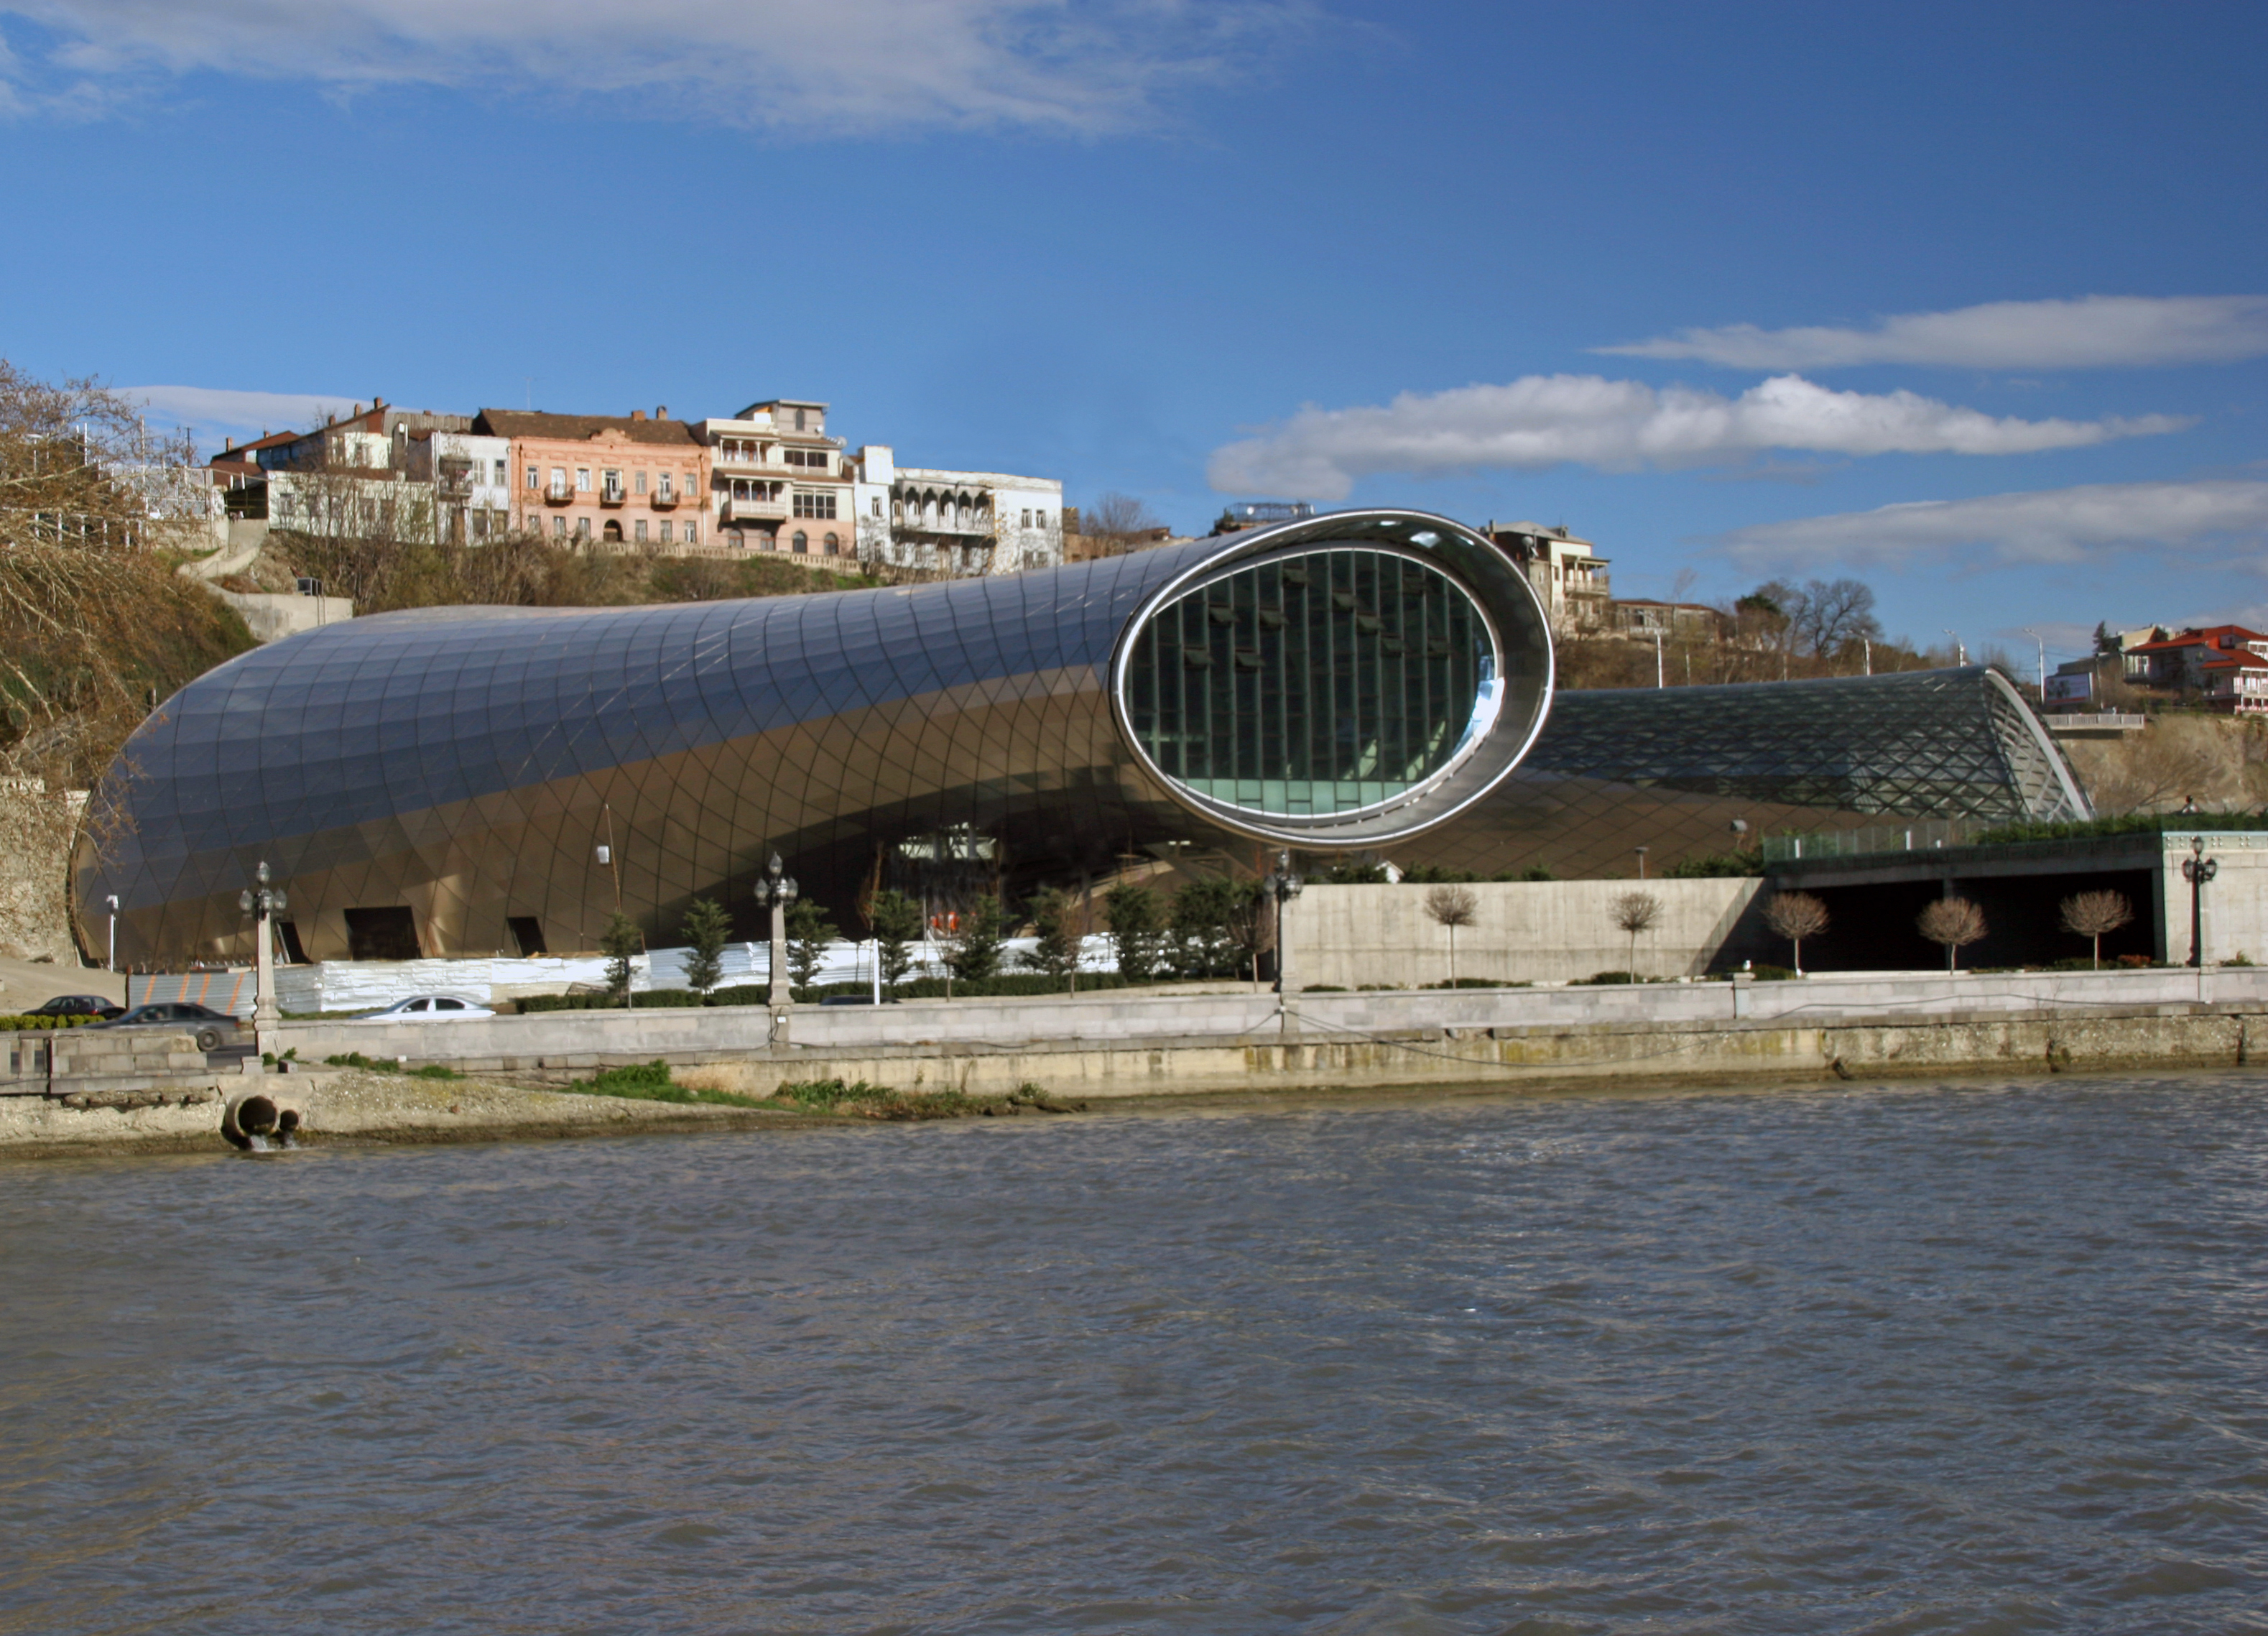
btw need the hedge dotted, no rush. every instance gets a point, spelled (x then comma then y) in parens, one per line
(25, 1024)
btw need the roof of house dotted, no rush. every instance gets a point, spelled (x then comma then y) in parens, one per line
(2208, 635)
(537, 424)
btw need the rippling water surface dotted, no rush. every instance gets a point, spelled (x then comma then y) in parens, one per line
(1978, 1359)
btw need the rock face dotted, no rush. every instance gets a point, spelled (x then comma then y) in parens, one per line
(35, 871)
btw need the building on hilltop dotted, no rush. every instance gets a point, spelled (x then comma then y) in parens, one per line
(778, 481)
(1569, 575)
(2227, 664)
(617, 480)
(954, 524)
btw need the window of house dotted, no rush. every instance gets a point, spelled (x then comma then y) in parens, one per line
(558, 528)
(815, 503)
(582, 528)
(878, 506)
(559, 480)
(612, 482)
(834, 546)
(692, 534)
(664, 489)
(582, 480)
(638, 483)
(533, 481)
(798, 420)
(665, 533)
(641, 531)
(802, 541)
(1028, 519)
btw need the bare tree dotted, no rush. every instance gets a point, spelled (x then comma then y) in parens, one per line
(1451, 907)
(1954, 922)
(1115, 523)
(2092, 914)
(1828, 615)
(1635, 912)
(1796, 916)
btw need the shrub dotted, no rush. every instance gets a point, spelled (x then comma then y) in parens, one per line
(1602, 979)
(650, 1082)
(21, 1024)
(1716, 867)
(1138, 929)
(742, 994)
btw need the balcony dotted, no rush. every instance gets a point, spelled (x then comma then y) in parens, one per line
(558, 494)
(662, 499)
(613, 494)
(755, 511)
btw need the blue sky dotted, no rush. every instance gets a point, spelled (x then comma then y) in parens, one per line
(1711, 286)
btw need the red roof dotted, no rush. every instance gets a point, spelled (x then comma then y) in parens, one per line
(2209, 635)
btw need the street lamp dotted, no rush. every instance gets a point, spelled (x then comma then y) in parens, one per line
(111, 964)
(1641, 850)
(265, 900)
(776, 892)
(2040, 642)
(1280, 886)
(2197, 869)
(1960, 648)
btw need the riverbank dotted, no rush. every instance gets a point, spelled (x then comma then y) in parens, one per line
(781, 1087)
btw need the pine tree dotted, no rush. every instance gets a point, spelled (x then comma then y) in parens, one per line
(706, 929)
(974, 953)
(809, 931)
(620, 942)
(897, 920)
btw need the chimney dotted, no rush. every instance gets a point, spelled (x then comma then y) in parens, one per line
(357, 408)
(638, 414)
(227, 444)
(378, 402)
(661, 411)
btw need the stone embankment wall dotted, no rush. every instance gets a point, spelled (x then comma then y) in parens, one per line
(2233, 904)
(1522, 932)
(34, 872)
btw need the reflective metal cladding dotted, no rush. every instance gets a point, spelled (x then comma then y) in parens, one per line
(454, 770)
(440, 781)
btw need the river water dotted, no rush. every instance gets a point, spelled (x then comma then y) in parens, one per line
(1986, 1357)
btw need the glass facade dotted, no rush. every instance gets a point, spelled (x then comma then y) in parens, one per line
(449, 775)
(1319, 683)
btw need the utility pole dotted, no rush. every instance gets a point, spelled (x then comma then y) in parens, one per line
(1659, 680)
(1868, 643)
(2041, 643)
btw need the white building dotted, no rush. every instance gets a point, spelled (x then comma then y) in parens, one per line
(471, 476)
(954, 523)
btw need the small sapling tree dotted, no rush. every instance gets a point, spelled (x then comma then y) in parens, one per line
(1059, 924)
(1796, 916)
(2092, 914)
(1954, 922)
(706, 929)
(973, 952)
(621, 943)
(1251, 926)
(1451, 907)
(1635, 912)
(1137, 930)
(897, 923)
(809, 931)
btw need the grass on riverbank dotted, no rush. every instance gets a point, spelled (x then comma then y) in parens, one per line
(858, 1099)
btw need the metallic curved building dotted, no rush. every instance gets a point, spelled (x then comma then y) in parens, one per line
(466, 780)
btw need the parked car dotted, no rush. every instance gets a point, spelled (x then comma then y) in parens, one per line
(212, 1030)
(427, 1008)
(79, 1005)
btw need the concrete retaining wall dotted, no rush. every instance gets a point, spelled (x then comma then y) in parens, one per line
(1120, 1021)
(1523, 932)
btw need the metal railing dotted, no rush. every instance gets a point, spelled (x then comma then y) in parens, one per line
(1922, 835)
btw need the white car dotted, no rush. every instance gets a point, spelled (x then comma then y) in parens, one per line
(427, 1008)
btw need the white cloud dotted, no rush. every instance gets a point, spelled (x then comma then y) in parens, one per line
(797, 66)
(212, 409)
(1621, 426)
(2095, 332)
(2043, 526)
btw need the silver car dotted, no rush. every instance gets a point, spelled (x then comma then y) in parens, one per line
(427, 1008)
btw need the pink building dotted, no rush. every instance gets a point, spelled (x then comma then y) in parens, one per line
(624, 480)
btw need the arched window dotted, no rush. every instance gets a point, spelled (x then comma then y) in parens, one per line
(834, 545)
(613, 531)
(802, 541)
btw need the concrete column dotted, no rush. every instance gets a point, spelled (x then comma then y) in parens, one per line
(266, 1015)
(781, 995)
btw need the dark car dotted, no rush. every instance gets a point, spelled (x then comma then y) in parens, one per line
(212, 1028)
(79, 1005)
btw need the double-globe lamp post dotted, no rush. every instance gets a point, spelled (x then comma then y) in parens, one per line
(265, 900)
(1280, 886)
(776, 891)
(2197, 869)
